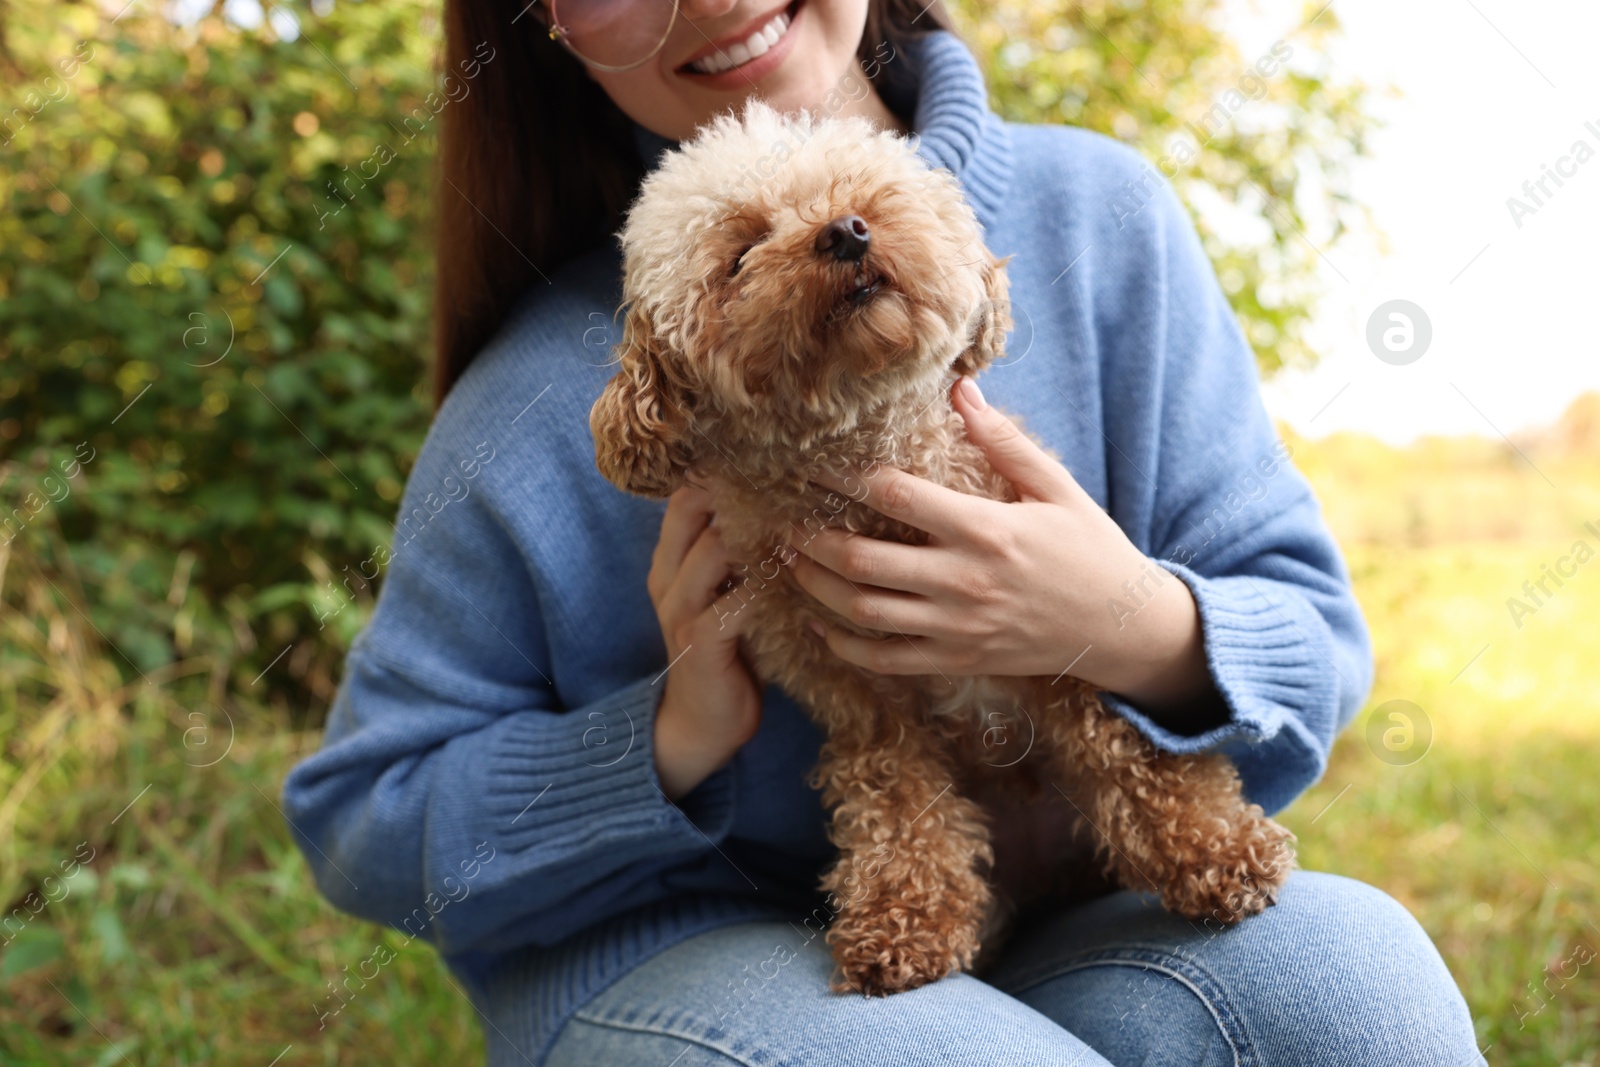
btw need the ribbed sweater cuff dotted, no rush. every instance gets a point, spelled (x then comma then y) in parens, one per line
(1263, 657)
(587, 777)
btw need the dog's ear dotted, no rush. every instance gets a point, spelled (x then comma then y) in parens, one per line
(640, 421)
(994, 320)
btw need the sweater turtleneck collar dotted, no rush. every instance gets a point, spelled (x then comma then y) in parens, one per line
(952, 124)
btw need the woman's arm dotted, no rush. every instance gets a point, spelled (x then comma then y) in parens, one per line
(1214, 499)
(454, 796)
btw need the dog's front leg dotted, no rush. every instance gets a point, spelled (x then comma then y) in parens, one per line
(907, 884)
(1178, 825)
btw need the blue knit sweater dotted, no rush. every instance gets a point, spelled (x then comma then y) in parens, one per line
(487, 779)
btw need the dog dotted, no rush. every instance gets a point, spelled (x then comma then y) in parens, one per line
(800, 295)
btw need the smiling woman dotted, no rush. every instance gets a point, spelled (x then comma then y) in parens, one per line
(708, 61)
(547, 607)
(540, 164)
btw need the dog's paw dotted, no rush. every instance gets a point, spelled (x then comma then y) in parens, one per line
(879, 953)
(879, 967)
(1242, 880)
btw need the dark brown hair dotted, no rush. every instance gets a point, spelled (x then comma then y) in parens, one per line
(537, 165)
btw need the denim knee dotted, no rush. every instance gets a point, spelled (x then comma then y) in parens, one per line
(757, 994)
(1367, 985)
(1337, 972)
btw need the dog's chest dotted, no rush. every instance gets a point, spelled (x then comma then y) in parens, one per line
(762, 501)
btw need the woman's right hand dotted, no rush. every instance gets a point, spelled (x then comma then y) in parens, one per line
(712, 703)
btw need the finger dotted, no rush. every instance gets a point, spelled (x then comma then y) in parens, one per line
(688, 513)
(881, 655)
(697, 582)
(727, 618)
(890, 491)
(1010, 451)
(865, 605)
(866, 560)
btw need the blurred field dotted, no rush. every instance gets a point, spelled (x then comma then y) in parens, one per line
(194, 934)
(1491, 837)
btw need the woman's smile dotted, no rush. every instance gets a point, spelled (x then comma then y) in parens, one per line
(739, 59)
(790, 53)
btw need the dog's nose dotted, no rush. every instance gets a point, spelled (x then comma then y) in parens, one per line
(844, 238)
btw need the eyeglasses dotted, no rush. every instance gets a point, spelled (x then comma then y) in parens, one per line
(610, 35)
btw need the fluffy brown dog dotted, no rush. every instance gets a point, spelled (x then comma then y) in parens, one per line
(800, 295)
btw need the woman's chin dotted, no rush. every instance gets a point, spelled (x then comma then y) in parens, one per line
(797, 87)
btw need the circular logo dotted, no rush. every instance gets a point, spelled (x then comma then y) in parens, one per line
(1007, 740)
(1021, 337)
(198, 339)
(201, 743)
(601, 740)
(1399, 732)
(1399, 332)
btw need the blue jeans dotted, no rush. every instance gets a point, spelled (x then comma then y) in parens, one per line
(1336, 973)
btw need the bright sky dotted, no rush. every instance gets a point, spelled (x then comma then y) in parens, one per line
(1494, 90)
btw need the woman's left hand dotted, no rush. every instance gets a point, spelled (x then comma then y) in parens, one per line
(1041, 586)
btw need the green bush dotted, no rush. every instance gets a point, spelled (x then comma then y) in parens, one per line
(198, 286)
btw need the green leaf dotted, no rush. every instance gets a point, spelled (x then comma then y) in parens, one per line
(106, 926)
(133, 876)
(35, 946)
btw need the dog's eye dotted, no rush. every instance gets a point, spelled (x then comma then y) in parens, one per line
(738, 261)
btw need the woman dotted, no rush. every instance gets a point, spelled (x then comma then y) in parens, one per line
(549, 759)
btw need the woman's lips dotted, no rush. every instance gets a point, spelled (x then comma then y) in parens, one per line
(752, 39)
(747, 74)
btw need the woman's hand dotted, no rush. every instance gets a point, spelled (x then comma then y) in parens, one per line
(712, 703)
(1038, 587)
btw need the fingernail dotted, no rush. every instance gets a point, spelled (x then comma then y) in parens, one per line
(816, 628)
(974, 395)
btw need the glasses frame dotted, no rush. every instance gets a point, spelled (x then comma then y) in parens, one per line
(545, 13)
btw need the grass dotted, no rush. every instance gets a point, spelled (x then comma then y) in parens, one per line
(1490, 837)
(194, 934)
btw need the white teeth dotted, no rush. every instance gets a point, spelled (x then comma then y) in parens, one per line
(737, 55)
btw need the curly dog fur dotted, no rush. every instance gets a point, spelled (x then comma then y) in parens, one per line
(753, 357)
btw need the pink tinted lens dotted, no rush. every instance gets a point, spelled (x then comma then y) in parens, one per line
(614, 33)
